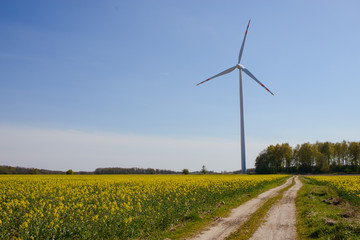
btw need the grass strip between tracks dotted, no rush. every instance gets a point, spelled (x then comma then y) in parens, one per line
(258, 218)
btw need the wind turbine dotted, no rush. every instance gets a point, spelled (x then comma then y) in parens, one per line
(245, 70)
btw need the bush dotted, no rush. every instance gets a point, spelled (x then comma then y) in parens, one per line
(185, 171)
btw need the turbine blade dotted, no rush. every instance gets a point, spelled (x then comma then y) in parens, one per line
(253, 77)
(217, 75)
(242, 45)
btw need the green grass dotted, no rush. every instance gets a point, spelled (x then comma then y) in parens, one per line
(255, 221)
(192, 226)
(323, 214)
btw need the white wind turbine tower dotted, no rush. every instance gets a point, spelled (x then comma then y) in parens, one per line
(241, 69)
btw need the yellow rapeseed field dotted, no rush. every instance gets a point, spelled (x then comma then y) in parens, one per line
(348, 185)
(110, 206)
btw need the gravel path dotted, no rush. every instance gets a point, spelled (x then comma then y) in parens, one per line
(281, 219)
(223, 227)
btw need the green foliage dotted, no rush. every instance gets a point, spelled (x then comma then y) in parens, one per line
(117, 170)
(203, 169)
(274, 159)
(6, 170)
(34, 171)
(262, 163)
(354, 153)
(320, 157)
(69, 172)
(305, 157)
(185, 171)
(22, 170)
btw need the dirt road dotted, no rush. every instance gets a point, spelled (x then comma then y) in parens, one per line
(280, 223)
(225, 226)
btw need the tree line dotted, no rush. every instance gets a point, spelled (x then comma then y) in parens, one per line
(117, 170)
(319, 157)
(23, 170)
(110, 170)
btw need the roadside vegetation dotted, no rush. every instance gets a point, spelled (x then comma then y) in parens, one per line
(325, 212)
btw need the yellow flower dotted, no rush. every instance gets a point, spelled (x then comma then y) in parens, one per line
(63, 202)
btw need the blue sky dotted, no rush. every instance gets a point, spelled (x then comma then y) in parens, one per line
(86, 84)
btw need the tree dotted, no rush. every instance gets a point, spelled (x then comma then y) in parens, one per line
(344, 153)
(274, 158)
(321, 161)
(287, 155)
(354, 153)
(341, 157)
(69, 172)
(34, 171)
(277, 158)
(262, 164)
(185, 171)
(305, 157)
(327, 149)
(296, 156)
(203, 169)
(337, 154)
(320, 157)
(4, 170)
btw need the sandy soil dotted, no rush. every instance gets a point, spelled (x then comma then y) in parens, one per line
(223, 227)
(281, 219)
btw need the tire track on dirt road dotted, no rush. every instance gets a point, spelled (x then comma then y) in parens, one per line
(281, 218)
(238, 216)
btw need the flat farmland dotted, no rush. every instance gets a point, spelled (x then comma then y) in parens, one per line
(347, 186)
(115, 206)
(329, 207)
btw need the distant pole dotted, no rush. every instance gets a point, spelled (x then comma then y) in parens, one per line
(242, 132)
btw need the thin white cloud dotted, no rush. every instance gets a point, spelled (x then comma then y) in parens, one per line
(64, 149)
(79, 150)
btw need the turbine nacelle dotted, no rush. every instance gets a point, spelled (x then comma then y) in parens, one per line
(240, 67)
